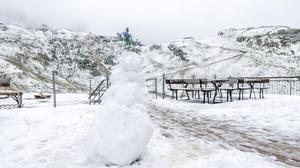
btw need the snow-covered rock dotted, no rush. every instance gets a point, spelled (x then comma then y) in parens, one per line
(122, 128)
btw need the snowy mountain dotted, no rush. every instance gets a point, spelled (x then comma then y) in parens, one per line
(263, 51)
(29, 56)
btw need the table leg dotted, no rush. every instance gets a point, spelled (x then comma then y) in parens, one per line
(187, 94)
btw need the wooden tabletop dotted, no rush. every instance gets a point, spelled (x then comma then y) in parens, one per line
(9, 90)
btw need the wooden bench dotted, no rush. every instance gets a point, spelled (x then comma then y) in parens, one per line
(7, 91)
(252, 85)
(242, 86)
(216, 86)
(182, 85)
(258, 84)
(228, 85)
(207, 87)
(203, 86)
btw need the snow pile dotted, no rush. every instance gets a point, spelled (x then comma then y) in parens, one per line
(122, 129)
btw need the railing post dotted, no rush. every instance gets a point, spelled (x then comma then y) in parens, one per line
(155, 83)
(107, 79)
(193, 93)
(90, 89)
(163, 85)
(54, 89)
(290, 86)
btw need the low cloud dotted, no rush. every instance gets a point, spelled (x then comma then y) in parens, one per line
(152, 21)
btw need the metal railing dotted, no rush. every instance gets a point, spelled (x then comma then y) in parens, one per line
(287, 86)
(155, 91)
(96, 95)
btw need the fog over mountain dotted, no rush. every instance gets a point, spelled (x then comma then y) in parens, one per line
(152, 21)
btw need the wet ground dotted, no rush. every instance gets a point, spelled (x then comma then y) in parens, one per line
(228, 134)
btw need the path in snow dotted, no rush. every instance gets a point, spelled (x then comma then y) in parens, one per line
(229, 132)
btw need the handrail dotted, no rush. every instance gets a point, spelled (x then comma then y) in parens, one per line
(97, 88)
(97, 93)
(150, 79)
(247, 77)
(268, 77)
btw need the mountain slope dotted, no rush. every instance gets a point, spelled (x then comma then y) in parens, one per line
(29, 56)
(263, 51)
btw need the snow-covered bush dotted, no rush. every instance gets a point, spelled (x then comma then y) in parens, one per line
(122, 128)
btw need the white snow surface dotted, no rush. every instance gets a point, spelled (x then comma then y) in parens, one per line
(39, 136)
(122, 128)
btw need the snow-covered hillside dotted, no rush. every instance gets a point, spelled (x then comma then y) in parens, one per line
(263, 51)
(28, 56)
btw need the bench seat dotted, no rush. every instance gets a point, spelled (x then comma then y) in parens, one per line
(261, 88)
(186, 89)
(228, 88)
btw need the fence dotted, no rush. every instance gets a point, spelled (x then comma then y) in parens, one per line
(286, 86)
(289, 85)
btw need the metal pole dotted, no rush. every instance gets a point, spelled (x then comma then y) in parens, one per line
(107, 79)
(193, 93)
(54, 89)
(155, 83)
(290, 86)
(90, 90)
(163, 86)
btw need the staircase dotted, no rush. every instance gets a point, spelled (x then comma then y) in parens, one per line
(96, 95)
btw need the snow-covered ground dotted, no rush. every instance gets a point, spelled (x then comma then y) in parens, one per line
(250, 133)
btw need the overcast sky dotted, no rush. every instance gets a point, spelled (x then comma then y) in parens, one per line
(152, 21)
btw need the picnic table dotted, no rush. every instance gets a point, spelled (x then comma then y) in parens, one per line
(7, 91)
(218, 83)
(261, 87)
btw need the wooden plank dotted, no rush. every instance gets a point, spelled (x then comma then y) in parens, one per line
(8, 90)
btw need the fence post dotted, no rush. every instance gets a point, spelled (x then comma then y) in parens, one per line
(107, 79)
(54, 89)
(290, 86)
(90, 87)
(193, 93)
(163, 86)
(155, 83)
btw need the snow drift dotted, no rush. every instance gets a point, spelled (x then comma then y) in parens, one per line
(122, 130)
